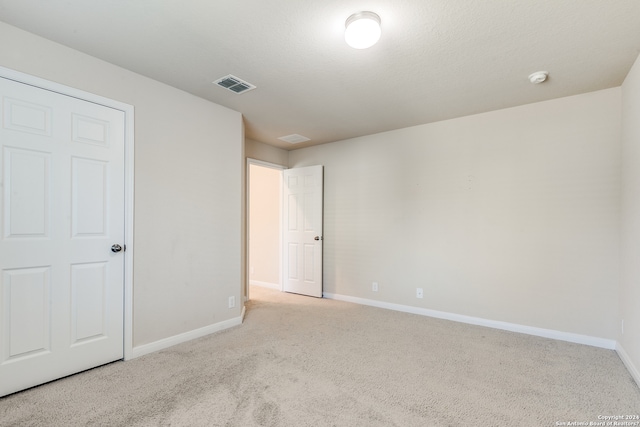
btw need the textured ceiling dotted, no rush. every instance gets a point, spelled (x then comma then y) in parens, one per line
(436, 60)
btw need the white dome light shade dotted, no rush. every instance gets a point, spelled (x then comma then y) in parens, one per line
(362, 30)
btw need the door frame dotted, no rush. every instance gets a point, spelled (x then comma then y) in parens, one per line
(128, 111)
(256, 162)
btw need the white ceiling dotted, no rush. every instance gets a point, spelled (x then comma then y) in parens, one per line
(436, 60)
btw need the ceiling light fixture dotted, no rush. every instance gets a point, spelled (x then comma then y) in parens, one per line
(362, 30)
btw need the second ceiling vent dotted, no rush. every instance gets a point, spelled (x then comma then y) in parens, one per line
(234, 84)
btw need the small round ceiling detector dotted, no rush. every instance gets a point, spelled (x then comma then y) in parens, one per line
(539, 77)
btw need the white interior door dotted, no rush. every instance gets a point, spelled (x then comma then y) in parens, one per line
(302, 242)
(62, 209)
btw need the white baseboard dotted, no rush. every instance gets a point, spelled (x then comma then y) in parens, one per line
(633, 370)
(269, 285)
(540, 332)
(187, 336)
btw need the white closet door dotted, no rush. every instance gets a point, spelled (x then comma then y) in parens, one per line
(62, 210)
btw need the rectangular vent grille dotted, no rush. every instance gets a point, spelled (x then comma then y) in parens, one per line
(234, 84)
(294, 139)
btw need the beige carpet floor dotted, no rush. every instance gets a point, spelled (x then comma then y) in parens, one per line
(299, 361)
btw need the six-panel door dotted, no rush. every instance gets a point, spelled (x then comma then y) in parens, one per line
(303, 188)
(61, 209)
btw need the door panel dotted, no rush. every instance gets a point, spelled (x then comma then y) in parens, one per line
(27, 177)
(61, 287)
(303, 230)
(89, 197)
(26, 312)
(28, 117)
(88, 304)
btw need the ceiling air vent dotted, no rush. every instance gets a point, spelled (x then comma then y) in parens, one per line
(234, 84)
(294, 139)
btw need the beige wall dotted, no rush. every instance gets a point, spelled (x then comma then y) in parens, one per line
(511, 215)
(259, 151)
(188, 173)
(264, 227)
(630, 289)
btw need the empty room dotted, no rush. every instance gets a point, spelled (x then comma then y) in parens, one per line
(250, 213)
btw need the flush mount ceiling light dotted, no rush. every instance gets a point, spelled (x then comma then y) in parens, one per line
(538, 77)
(362, 30)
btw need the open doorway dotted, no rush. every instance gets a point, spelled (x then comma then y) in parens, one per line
(264, 224)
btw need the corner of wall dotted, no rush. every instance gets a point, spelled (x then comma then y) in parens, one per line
(628, 363)
(629, 304)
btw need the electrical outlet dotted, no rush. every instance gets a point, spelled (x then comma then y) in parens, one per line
(374, 286)
(232, 302)
(419, 293)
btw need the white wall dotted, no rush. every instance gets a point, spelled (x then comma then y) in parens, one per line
(630, 288)
(511, 215)
(188, 187)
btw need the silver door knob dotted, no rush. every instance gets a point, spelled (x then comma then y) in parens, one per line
(317, 238)
(116, 248)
